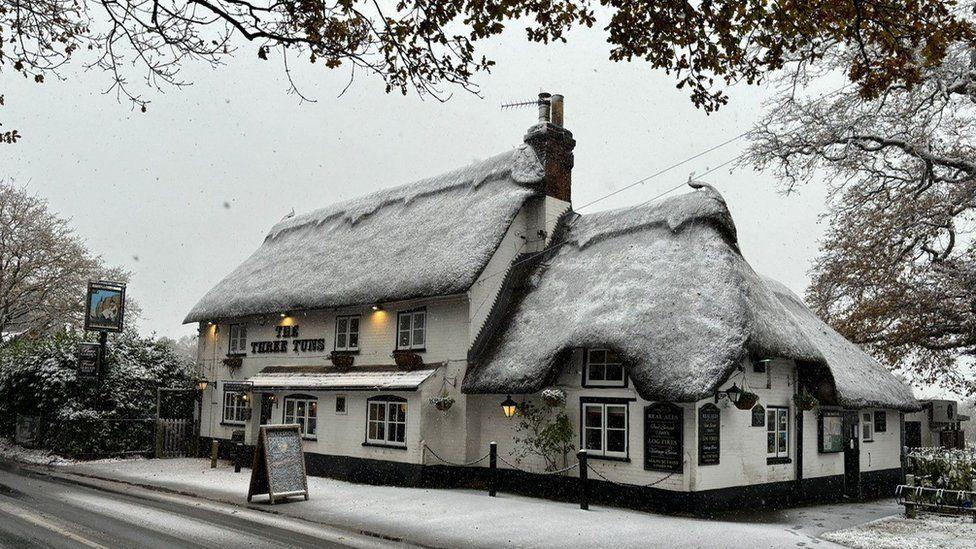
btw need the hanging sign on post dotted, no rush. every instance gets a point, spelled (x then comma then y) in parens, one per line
(278, 468)
(105, 306)
(89, 359)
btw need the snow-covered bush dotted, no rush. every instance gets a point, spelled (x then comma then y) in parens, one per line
(543, 431)
(944, 468)
(38, 377)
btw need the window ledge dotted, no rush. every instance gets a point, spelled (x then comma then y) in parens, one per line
(408, 350)
(346, 351)
(233, 424)
(380, 445)
(590, 456)
(237, 355)
(778, 461)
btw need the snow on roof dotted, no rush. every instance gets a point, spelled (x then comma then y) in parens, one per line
(666, 286)
(428, 238)
(360, 379)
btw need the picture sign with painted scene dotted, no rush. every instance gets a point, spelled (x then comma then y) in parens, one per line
(105, 306)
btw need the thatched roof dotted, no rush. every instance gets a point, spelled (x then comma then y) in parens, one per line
(666, 286)
(428, 238)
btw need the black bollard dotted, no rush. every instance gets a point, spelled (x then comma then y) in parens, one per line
(237, 457)
(492, 468)
(583, 495)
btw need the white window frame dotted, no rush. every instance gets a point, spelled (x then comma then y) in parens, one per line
(237, 345)
(347, 332)
(407, 325)
(867, 426)
(309, 412)
(384, 406)
(778, 412)
(590, 382)
(236, 403)
(604, 429)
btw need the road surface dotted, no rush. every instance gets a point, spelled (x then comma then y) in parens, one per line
(42, 510)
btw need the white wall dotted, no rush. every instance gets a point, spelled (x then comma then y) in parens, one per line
(884, 451)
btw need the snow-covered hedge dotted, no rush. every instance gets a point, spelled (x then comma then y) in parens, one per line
(944, 468)
(39, 378)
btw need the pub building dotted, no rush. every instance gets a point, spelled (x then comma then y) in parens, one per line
(401, 329)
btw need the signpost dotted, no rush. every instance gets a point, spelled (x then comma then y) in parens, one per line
(278, 468)
(104, 313)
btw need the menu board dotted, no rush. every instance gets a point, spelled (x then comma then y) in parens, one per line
(831, 432)
(709, 427)
(279, 464)
(89, 359)
(664, 437)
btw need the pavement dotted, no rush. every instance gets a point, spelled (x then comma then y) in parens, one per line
(43, 508)
(468, 518)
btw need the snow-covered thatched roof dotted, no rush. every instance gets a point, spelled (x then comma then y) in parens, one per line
(432, 237)
(666, 286)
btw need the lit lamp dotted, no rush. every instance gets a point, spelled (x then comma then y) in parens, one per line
(202, 384)
(377, 307)
(509, 407)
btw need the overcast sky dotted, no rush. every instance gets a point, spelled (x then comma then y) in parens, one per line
(182, 194)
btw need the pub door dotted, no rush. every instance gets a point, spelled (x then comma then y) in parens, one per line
(267, 404)
(913, 434)
(852, 456)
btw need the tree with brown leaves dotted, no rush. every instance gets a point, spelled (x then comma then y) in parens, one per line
(897, 269)
(432, 46)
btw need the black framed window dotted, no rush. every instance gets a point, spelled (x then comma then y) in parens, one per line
(603, 369)
(880, 421)
(303, 410)
(235, 407)
(347, 333)
(237, 343)
(340, 406)
(386, 421)
(777, 432)
(412, 329)
(605, 427)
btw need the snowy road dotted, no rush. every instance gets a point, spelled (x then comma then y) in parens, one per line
(37, 510)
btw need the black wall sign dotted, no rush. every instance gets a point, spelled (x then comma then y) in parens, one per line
(279, 464)
(709, 429)
(89, 359)
(664, 438)
(758, 416)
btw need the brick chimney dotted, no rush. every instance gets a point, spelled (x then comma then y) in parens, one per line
(554, 145)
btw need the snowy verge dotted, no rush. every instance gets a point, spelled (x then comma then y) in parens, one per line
(12, 452)
(899, 532)
(469, 518)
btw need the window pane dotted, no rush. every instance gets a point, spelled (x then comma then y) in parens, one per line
(770, 443)
(313, 407)
(375, 413)
(398, 433)
(404, 323)
(353, 340)
(771, 420)
(615, 372)
(311, 426)
(594, 439)
(616, 440)
(418, 336)
(782, 442)
(300, 408)
(598, 356)
(616, 417)
(401, 412)
(866, 417)
(594, 417)
(340, 404)
(341, 325)
(419, 320)
(783, 419)
(597, 372)
(612, 357)
(341, 341)
(354, 325)
(404, 339)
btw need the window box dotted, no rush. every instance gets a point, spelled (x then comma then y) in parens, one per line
(233, 362)
(778, 461)
(805, 401)
(341, 361)
(407, 360)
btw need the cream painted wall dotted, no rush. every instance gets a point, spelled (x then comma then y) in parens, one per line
(884, 451)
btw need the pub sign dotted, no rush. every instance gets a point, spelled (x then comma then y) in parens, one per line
(105, 306)
(89, 359)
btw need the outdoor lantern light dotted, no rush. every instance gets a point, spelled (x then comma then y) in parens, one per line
(202, 384)
(377, 307)
(283, 315)
(732, 393)
(509, 407)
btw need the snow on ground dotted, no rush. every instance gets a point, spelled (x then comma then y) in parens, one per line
(899, 532)
(11, 451)
(468, 518)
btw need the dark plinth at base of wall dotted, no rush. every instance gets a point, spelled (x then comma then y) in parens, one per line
(772, 495)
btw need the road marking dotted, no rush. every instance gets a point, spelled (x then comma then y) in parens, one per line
(38, 520)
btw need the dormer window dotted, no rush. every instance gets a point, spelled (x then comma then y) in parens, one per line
(603, 369)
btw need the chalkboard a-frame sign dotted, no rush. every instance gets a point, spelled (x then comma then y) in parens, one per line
(279, 464)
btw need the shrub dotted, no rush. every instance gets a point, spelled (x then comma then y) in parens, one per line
(38, 377)
(948, 469)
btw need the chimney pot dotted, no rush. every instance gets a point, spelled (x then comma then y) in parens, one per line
(544, 107)
(557, 109)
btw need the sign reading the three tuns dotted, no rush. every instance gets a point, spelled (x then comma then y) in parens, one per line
(279, 464)
(89, 359)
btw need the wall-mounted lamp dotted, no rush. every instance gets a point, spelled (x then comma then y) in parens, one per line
(509, 407)
(202, 384)
(732, 393)
(377, 307)
(283, 315)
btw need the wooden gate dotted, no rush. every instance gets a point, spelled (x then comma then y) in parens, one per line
(173, 437)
